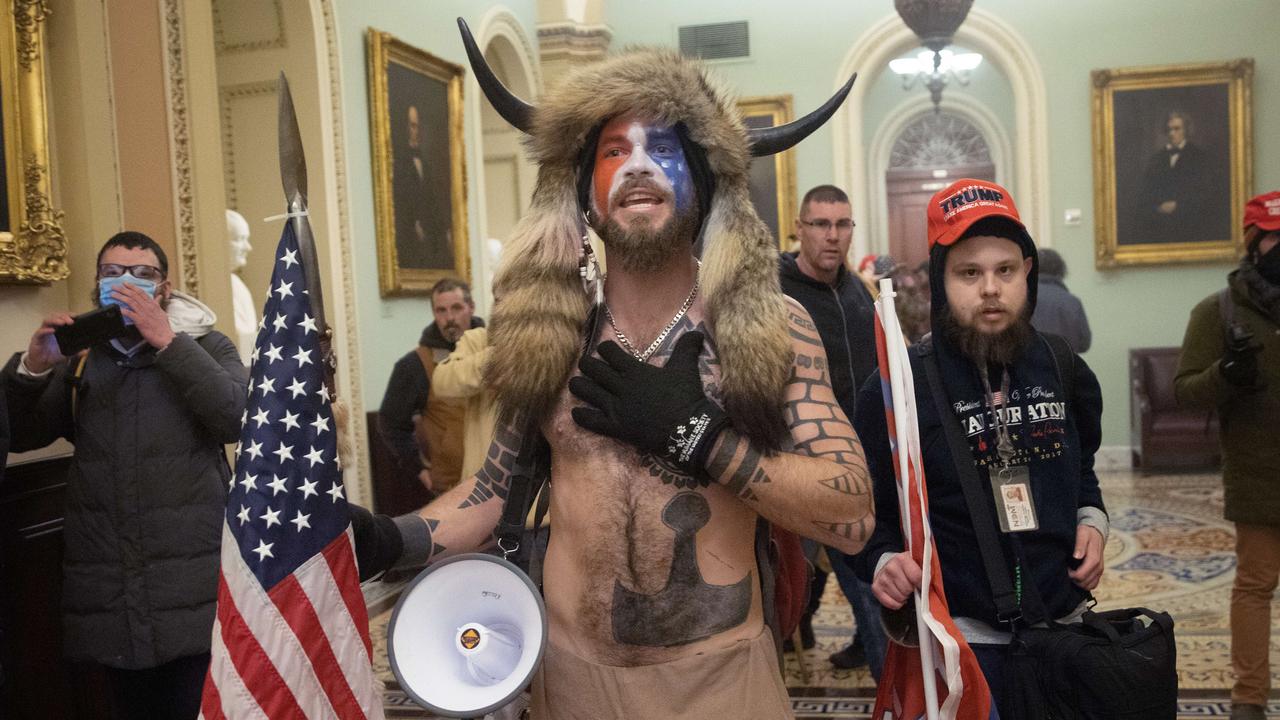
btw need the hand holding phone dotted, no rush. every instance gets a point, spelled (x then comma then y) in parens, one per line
(88, 330)
(42, 351)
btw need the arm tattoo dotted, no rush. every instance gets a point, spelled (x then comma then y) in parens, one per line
(851, 531)
(747, 472)
(494, 478)
(847, 483)
(436, 548)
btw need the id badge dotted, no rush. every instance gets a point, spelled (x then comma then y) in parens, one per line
(1012, 489)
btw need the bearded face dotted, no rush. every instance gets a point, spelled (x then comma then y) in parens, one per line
(988, 317)
(642, 194)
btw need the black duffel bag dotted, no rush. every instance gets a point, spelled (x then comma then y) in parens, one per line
(1117, 665)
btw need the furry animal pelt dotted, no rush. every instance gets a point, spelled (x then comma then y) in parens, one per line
(537, 327)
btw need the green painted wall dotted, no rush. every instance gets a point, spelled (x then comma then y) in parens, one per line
(796, 49)
(390, 327)
(797, 46)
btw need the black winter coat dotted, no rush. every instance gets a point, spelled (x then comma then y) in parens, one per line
(1061, 470)
(145, 492)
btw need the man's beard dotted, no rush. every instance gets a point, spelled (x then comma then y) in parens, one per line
(644, 248)
(1000, 348)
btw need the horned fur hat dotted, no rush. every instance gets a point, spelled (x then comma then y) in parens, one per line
(537, 329)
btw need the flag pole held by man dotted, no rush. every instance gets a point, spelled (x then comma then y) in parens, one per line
(291, 634)
(908, 687)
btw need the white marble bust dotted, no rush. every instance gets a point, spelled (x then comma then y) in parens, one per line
(246, 312)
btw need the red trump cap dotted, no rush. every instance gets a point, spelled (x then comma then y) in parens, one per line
(962, 203)
(1263, 211)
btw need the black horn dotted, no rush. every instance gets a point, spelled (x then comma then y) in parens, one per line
(767, 141)
(512, 109)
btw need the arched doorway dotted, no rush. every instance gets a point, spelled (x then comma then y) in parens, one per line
(927, 154)
(506, 175)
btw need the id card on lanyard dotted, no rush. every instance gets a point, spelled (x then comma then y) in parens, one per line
(1010, 484)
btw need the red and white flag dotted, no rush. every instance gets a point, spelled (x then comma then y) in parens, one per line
(291, 636)
(940, 679)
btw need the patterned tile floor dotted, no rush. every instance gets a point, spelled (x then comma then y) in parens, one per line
(1170, 550)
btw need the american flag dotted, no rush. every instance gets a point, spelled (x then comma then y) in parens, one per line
(940, 678)
(291, 635)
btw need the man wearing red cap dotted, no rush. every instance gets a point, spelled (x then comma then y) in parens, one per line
(1031, 412)
(1231, 362)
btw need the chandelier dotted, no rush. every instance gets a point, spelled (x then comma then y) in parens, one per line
(935, 22)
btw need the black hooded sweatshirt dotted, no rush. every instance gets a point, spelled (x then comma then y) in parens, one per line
(1056, 436)
(845, 316)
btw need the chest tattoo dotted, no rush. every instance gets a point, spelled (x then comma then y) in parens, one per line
(687, 608)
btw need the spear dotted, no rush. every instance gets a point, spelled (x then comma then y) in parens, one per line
(293, 175)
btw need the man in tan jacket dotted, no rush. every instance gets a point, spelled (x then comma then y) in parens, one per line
(424, 430)
(460, 377)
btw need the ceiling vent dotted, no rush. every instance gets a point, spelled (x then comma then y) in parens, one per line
(717, 41)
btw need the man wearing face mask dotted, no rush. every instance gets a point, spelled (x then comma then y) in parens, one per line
(149, 413)
(1231, 362)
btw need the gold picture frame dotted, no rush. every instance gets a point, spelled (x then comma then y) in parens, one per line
(1167, 141)
(415, 116)
(773, 179)
(33, 248)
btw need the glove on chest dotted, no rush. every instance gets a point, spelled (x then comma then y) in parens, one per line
(662, 410)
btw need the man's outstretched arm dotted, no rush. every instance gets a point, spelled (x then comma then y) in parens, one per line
(820, 489)
(459, 521)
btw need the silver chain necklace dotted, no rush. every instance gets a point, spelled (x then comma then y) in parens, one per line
(648, 352)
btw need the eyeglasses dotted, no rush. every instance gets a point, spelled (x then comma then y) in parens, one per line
(824, 225)
(142, 272)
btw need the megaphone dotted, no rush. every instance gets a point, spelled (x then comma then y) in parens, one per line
(467, 635)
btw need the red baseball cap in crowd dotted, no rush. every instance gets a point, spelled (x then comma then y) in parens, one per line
(1263, 211)
(962, 203)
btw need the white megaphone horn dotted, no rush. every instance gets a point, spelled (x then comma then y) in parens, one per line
(467, 635)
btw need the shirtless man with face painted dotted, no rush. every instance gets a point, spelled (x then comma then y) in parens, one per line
(651, 581)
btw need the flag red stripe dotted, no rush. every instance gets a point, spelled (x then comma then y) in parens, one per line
(211, 701)
(251, 662)
(342, 563)
(296, 609)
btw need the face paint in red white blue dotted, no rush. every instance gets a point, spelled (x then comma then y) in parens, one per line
(640, 169)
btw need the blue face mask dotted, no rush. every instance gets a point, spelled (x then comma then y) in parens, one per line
(106, 285)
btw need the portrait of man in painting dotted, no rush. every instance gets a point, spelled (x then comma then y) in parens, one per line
(1173, 165)
(418, 113)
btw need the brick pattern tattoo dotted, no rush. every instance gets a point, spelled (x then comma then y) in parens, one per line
(494, 478)
(813, 421)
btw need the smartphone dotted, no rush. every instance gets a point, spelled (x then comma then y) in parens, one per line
(90, 329)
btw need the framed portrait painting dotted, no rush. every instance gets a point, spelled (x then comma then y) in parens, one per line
(1172, 166)
(419, 176)
(33, 248)
(772, 181)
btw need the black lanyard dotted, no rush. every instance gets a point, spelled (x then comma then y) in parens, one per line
(1004, 442)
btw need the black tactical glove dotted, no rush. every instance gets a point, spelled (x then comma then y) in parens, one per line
(1239, 364)
(378, 541)
(662, 410)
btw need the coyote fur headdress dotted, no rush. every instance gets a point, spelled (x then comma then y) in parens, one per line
(538, 326)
